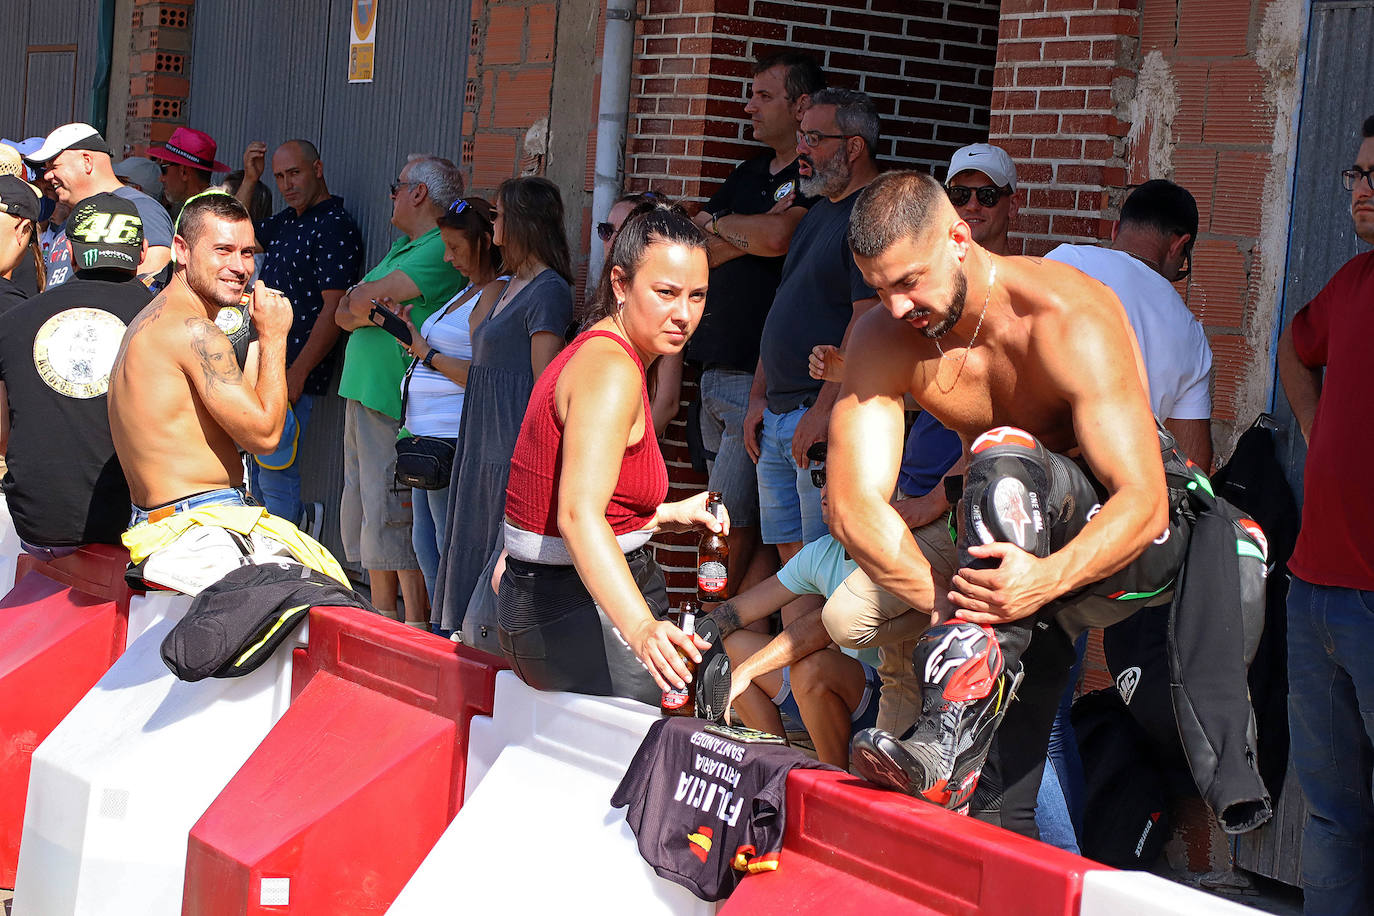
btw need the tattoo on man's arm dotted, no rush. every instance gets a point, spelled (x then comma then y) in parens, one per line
(727, 618)
(736, 239)
(214, 353)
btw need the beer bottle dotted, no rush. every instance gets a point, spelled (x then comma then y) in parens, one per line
(713, 557)
(683, 702)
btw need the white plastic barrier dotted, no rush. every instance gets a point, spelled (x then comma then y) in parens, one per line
(1113, 893)
(9, 548)
(117, 786)
(537, 826)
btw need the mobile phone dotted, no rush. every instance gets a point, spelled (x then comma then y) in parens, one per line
(389, 321)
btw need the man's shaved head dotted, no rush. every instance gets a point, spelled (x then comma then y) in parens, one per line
(895, 206)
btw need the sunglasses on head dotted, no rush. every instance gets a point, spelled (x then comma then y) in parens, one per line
(988, 194)
(605, 231)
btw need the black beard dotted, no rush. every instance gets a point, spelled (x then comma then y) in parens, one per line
(956, 309)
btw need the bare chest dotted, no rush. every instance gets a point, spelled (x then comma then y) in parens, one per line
(993, 387)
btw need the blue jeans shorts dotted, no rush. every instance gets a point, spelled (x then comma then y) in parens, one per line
(724, 401)
(865, 716)
(789, 503)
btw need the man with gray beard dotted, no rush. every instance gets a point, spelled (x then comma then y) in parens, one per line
(821, 295)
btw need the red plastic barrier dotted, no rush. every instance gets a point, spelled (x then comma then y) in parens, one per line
(850, 848)
(354, 785)
(61, 627)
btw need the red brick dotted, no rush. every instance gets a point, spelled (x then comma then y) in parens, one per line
(1217, 286)
(1099, 150)
(1063, 99)
(1063, 6)
(1196, 170)
(1031, 76)
(1159, 26)
(1030, 223)
(1087, 76)
(1051, 199)
(1214, 28)
(1030, 125)
(1191, 79)
(1231, 361)
(1071, 173)
(1104, 25)
(1058, 148)
(543, 29)
(1065, 227)
(1235, 206)
(1079, 49)
(504, 40)
(522, 97)
(1237, 110)
(1012, 7)
(1043, 27)
(493, 161)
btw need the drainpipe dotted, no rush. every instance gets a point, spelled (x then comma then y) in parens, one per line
(613, 113)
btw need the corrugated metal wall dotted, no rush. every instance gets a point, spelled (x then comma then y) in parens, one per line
(50, 55)
(1338, 94)
(271, 71)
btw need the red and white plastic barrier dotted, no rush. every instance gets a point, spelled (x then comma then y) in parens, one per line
(351, 789)
(537, 832)
(850, 848)
(117, 785)
(159, 797)
(61, 627)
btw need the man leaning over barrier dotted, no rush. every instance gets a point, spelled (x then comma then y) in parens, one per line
(1065, 515)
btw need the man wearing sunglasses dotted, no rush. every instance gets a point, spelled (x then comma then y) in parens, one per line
(374, 514)
(982, 187)
(1324, 363)
(1151, 250)
(314, 251)
(750, 221)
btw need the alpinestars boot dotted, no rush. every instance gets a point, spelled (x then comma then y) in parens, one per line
(965, 690)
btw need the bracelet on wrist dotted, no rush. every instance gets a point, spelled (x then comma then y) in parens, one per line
(429, 358)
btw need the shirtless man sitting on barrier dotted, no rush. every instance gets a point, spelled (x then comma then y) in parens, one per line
(181, 402)
(1065, 519)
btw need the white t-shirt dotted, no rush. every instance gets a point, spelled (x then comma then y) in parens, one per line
(1178, 360)
(435, 404)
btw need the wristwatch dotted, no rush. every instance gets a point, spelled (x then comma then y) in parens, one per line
(429, 358)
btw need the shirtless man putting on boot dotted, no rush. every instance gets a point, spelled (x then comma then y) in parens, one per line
(1064, 496)
(181, 400)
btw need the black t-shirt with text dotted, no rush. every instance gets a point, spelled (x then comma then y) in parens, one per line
(742, 289)
(65, 486)
(814, 303)
(708, 808)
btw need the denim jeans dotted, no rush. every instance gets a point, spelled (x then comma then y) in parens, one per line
(280, 491)
(1331, 724)
(789, 502)
(428, 521)
(1059, 806)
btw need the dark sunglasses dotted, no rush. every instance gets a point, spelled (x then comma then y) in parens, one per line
(988, 194)
(397, 185)
(605, 231)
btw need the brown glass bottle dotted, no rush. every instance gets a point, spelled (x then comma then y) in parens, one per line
(683, 702)
(713, 558)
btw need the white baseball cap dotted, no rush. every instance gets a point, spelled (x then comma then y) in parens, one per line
(991, 160)
(69, 136)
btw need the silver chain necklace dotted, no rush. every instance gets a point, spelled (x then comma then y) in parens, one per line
(992, 278)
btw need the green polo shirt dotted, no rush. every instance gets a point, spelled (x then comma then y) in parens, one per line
(374, 361)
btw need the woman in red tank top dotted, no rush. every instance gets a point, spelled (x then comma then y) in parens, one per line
(582, 601)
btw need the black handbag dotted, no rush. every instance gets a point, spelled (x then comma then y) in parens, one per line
(422, 462)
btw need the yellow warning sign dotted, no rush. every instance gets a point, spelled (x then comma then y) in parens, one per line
(363, 41)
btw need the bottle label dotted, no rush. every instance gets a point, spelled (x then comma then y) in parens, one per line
(675, 699)
(711, 577)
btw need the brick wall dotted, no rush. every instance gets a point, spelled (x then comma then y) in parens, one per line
(1092, 96)
(159, 71)
(509, 91)
(928, 66)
